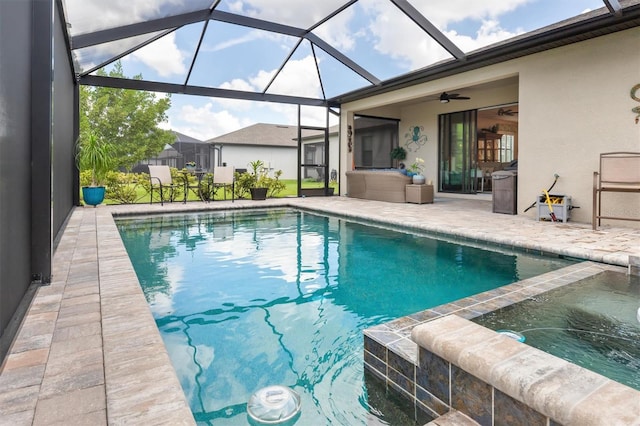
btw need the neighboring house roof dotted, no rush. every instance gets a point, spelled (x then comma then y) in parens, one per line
(168, 152)
(181, 137)
(260, 134)
(315, 134)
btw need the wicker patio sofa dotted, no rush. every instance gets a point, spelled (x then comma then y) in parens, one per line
(380, 185)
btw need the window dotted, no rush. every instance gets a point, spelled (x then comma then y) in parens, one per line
(507, 143)
(374, 138)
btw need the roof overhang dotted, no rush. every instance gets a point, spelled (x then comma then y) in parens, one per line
(591, 25)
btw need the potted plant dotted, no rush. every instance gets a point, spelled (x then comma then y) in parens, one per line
(258, 184)
(417, 167)
(94, 154)
(398, 154)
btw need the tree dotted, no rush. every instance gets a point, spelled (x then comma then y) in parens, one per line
(127, 119)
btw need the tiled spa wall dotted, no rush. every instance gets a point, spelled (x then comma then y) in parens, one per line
(440, 363)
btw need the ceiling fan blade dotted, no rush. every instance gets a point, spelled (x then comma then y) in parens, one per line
(508, 112)
(446, 97)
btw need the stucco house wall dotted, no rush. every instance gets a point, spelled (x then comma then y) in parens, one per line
(574, 103)
(275, 145)
(275, 158)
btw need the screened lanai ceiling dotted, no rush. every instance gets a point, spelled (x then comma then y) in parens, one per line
(296, 51)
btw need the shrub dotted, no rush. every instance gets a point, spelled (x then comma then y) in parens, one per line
(258, 177)
(123, 187)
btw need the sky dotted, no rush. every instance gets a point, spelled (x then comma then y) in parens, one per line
(373, 33)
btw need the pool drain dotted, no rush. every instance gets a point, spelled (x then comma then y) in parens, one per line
(512, 334)
(273, 405)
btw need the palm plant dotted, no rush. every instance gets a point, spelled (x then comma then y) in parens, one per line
(94, 154)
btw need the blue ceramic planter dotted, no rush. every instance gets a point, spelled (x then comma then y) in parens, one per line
(93, 195)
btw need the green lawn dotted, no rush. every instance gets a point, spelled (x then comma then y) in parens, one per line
(290, 191)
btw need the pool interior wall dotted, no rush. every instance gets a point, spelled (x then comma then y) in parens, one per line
(442, 363)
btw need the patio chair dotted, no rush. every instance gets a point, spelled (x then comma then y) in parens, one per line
(161, 180)
(223, 177)
(619, 172)
(479, 176)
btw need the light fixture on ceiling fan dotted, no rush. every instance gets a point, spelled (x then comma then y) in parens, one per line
(509, 112)
(446, 97)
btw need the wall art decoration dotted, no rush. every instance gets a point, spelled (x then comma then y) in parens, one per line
(415, 138)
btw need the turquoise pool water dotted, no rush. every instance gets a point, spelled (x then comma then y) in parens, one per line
(248, 299)
(592, 323)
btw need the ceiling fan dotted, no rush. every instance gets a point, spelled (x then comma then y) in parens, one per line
(508, 112)
(446, 97)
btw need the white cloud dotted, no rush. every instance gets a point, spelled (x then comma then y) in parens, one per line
(250, 36)
(290, 12)
(489, 32)
(163, 56)
(298, 77)
(389, 40)
(86, 16)
(205, 122)
(336, 31)
(443, 13)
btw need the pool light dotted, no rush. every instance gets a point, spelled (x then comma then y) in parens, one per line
(512, 334)
(273, 405)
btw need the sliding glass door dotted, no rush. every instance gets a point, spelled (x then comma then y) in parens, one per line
(458, 149)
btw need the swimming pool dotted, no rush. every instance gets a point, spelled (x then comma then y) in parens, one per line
(591, 323)
(249, 299)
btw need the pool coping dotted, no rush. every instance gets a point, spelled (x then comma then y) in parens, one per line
(73, 359)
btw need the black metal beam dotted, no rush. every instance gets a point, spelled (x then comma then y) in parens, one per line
(212, 92)
(315, 61)
(125, 53)
(197, 52)
(275, 75)
(332, 14)
(112, 34)
(247, 21)
(343, 59)
(294, 32)
(41, 102)
(429, 28)
(173, 22)
(614, 7)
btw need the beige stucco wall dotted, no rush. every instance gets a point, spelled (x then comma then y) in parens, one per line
(275, 158)
(574, 103)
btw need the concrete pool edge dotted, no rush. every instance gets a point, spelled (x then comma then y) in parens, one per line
(446, 353)
(136, 356)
